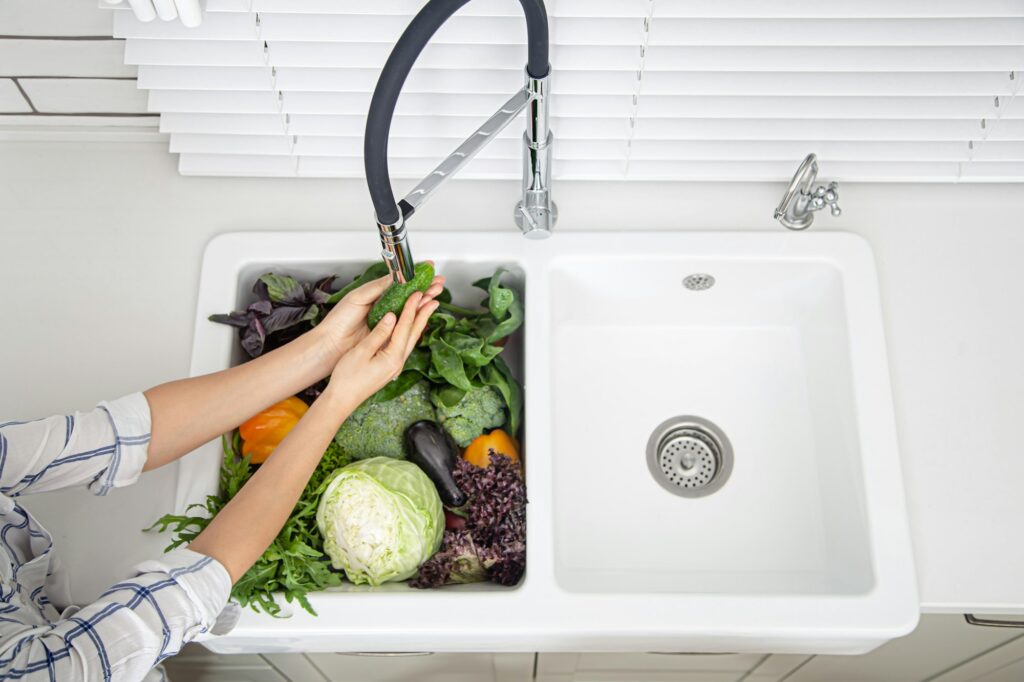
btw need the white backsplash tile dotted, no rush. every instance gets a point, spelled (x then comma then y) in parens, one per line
(82, 58)
(53, 18)
(62, 95)
(11, 101)
(65, 125)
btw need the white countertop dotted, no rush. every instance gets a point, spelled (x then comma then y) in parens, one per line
(101, 246)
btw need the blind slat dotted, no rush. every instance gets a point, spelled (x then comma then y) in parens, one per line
(505, 81)
(673, 89)
(750, 9)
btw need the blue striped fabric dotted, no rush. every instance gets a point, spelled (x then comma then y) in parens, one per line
(137, 622)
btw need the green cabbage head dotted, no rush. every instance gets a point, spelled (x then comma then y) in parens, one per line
(380, 518)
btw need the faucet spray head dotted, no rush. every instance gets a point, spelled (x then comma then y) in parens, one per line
(395, 249)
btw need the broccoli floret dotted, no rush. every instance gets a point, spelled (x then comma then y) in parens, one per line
(479, 409)
(378, 429)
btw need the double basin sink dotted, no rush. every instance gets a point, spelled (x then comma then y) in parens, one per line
(709, 442)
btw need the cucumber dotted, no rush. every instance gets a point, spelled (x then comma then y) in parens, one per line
(396, 295)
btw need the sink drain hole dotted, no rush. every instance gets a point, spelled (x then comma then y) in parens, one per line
(689, 456)
(699, 281)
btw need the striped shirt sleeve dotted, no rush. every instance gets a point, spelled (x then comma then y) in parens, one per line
(103, 449)
(132, 627)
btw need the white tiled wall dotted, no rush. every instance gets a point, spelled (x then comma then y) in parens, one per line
(81, 58)
(84, 95)
(52, 18)
(11, 99)
(60, 68)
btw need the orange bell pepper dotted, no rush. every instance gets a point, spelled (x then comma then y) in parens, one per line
(265, 431)
(478, 453)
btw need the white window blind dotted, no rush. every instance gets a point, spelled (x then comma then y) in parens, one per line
(913, 90)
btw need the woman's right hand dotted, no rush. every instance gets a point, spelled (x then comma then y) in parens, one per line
(380, 355)
(345, 325)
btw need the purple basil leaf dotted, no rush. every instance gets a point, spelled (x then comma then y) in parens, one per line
(261, 307)
(283, 290)
(322, 290)
(253, 338)
(283, 317)
(236, 319)
(260, 289)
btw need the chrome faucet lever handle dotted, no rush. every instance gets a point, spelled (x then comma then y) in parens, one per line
(826, 196)
(799, 202)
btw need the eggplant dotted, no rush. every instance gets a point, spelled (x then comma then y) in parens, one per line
(431, 449)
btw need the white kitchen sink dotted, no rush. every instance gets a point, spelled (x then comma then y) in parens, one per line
(803, 548)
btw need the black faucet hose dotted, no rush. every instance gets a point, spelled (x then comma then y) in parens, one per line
(382, 106)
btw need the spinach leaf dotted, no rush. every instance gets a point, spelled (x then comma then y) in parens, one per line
(499, 376)
(504, 306)
(402, 383)
(448, 363)
(499, 298)
(449, 396)
(375, 271)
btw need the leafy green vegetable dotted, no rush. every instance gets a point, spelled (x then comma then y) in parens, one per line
(394, 298)
(459, 350)
(467, 414)
(505, 308)
(380, 518)
(295, 563)
(498, 376)
(375, 271)
(377, 428)
(490, 543)
(283, 289)
(283, 310)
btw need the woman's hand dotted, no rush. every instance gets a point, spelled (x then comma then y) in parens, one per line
(380, 354)
(345, 326)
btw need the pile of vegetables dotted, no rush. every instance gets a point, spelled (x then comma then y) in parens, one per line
(489, 542)
(422, 481)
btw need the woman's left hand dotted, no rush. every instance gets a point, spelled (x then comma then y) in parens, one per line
(345, 325)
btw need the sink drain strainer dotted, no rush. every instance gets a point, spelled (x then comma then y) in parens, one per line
(699, 281)
(689, 456)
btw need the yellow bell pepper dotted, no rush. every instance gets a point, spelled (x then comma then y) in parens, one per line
(265, 431)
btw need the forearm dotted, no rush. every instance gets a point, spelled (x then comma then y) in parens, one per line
(190, 412)
(240, 533)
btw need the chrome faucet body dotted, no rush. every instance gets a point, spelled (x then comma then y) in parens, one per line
(796, 210)
(535, 213)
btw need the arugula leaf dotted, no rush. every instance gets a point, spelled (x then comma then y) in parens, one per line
(294, 563)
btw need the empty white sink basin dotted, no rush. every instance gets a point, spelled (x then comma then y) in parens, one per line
(804, 548)
(764, 354)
